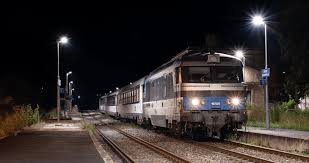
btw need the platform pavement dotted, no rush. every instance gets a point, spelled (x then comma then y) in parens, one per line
(278, 132)
(50, 143)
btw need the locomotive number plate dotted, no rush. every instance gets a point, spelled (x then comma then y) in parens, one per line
(215, 103)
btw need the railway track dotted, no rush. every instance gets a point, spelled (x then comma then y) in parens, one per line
(127, 158)
(268, 150)
(235, 154)
(225, 147)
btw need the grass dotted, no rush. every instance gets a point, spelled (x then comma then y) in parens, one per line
(22, 116)
(281, 116)
(87, 125)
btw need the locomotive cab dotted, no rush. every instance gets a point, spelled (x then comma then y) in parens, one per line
(212, 93)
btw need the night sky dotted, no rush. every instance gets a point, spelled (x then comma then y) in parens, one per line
(114, 44)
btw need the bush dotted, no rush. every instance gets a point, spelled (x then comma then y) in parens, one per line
(288, 105)
(52, 114)
(21, 117)
(282, 115)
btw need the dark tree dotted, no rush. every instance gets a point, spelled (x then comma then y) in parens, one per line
(294, 44)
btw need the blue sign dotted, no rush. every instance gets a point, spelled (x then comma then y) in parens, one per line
(263, 82)
(265, 72)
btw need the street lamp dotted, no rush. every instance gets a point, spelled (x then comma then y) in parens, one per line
(70, 95)
(67, 91)
(240, 54)
(62, 40)
(258, 20)
(67, 80)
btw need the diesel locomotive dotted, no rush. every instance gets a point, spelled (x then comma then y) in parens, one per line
(195, 93)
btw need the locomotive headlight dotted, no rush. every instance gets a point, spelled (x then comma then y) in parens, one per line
(195, 101)
(235, 101)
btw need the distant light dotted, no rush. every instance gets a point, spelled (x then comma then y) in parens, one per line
(283, 72)
(78, 97)
(239, 53)
(63, 40)
(130, 83)
(110, 91)
(71, 82)
(117, 88)
(258, 20)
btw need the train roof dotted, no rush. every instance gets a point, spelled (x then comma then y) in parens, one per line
(131, 85)
(192, 55)
(188, 54)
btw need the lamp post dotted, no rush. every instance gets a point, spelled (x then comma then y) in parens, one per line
(240, 54)
(70, 94)
(67, 96)
(257, 21)
(62, 40)
(67, 82)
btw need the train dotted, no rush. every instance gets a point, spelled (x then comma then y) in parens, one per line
(196, 93)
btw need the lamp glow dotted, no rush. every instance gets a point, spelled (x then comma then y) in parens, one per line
(239, 53)
(63, 40)
(258, 20)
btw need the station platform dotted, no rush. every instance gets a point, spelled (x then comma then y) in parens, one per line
(278, 132)
(50, 143)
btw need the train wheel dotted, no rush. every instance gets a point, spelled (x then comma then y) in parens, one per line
(177, 130)
(223, 133)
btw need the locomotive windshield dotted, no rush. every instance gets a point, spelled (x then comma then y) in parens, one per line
(215, 74)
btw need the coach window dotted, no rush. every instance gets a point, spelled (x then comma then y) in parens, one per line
(136, 90)
(128, 98)
(130, 93)
(134, 95)
(124, 98)
(121, 98)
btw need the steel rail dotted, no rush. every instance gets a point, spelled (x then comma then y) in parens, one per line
(155, 148)
(235, 154)
(125, 157)
(269, 150)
